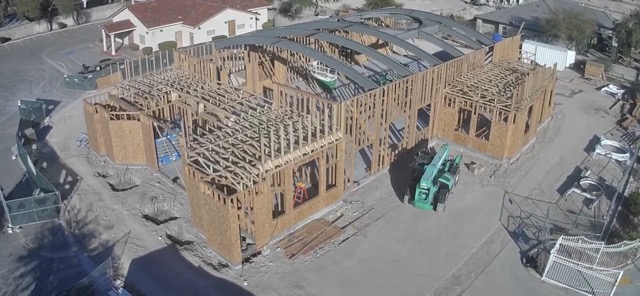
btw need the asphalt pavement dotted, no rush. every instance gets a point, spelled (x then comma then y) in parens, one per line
(33, 68)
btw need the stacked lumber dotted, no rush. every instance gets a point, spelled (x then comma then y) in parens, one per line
(309, 238)
(594, 70)
(631, 111)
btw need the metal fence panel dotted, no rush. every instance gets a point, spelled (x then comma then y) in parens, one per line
(96, 283)
(33, 209)
(81, 82)
(587, 266)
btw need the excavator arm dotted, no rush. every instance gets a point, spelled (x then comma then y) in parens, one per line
(427, 187)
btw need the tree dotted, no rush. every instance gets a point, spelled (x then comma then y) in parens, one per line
(293, 8)
(571, 27)
(35, 10)
(376, 4)
(627, 33)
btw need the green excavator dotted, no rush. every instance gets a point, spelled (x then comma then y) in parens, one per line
(434, 175)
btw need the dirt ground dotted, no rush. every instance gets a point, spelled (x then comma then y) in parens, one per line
(392, 246)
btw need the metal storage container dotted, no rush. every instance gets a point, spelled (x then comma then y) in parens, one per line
(547, 55)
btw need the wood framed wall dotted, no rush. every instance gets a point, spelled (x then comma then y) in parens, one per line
(298, 140)
(496, 110)
(126, 138)
(323, 151)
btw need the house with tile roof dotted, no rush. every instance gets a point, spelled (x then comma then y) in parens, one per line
(186, 22)
(533, 15)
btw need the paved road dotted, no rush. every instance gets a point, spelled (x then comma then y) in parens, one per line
(33, 68)
(30, 262)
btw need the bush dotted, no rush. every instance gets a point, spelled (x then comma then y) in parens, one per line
(167, 45)
(62, 25)
(634, 204)
(134, 47)
(219, 37)
(268, 24)
(147, 50)
(376, 4)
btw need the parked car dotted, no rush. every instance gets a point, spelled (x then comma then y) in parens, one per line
(106, 63)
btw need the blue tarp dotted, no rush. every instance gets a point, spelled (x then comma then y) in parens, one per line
(496, 37)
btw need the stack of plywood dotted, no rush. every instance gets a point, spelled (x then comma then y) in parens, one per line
(309, 238)
(594, 70)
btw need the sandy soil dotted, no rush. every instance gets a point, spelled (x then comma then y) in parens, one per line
(391, 250)
(386, 240)
(116, 217)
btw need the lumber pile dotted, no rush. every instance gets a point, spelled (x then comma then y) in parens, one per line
(595, 71)
(631, 110)
(309, 238)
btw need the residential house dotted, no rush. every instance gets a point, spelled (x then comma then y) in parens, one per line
(186, 22)
(534, 15)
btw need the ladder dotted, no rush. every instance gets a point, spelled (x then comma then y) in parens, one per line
(300, 195)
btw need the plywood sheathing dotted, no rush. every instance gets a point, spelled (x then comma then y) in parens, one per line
(504, 92)
(233, 183)
(508, 50)
(594, 70)
(126, 138)
(109, 80)
(235, 145)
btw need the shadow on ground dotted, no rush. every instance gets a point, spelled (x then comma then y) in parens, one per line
(571, 179)
(61, 176)
(167, 272)
(400, 170)
(58, 257)
(591, 145)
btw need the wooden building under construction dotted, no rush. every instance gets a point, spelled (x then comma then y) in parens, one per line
(275, 125)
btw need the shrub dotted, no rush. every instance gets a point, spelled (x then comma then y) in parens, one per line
(134, 47)
(62, 25)
(268, 24)
(219, 37)
(634, 204)
(167, 45)
(147, 50)
(375, 4)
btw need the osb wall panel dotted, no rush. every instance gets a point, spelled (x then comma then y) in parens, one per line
(149, 144)
(520, 139)
(508, 49)
(92, 121)
(214, 218)
(266, 228)
(109, 80)
(129, 147)
(550, 94)
(496, 146)
(368, 116)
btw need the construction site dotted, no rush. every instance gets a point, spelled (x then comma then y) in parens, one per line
(274, 126)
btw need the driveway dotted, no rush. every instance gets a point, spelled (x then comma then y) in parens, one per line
(34, 68)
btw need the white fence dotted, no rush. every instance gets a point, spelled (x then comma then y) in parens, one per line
(589, 267)
(548, 55)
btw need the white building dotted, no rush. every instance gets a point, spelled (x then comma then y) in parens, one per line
(186, 22)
